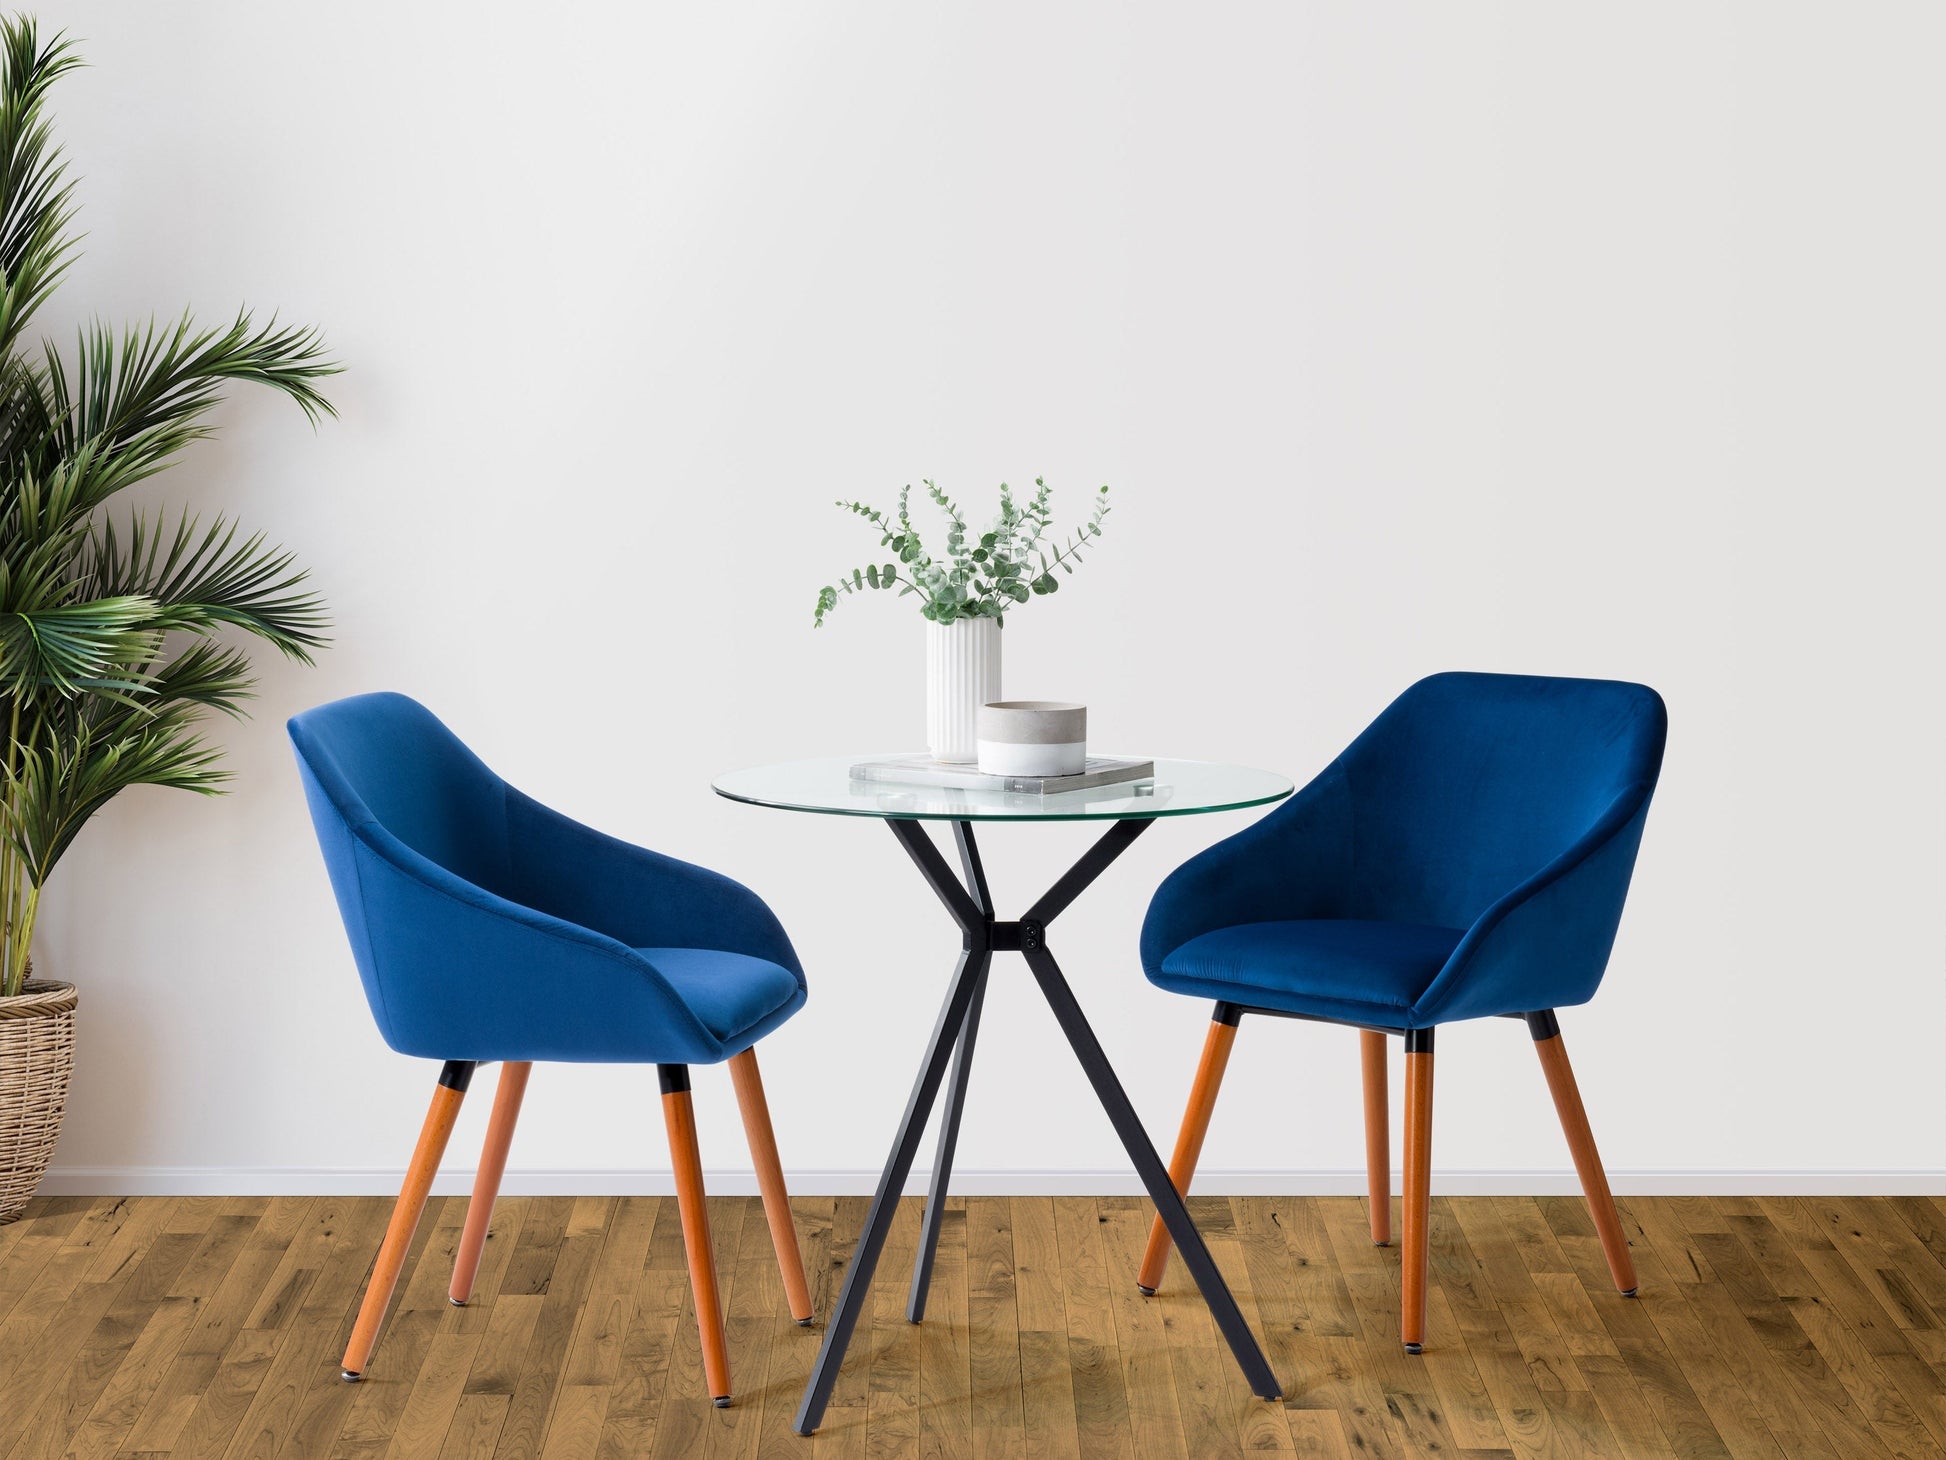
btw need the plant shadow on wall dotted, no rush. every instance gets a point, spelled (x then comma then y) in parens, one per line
(112, 624)
(964, 595)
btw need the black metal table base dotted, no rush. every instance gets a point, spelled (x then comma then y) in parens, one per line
(952, 1044)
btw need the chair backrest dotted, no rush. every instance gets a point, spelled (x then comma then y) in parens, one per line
(387, 759)
(1469, 784)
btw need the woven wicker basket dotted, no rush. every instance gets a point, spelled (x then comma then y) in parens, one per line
(36, 1057)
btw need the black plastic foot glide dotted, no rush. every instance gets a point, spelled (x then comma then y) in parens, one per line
(350, 1376)
(721, 1401)
(1415, 1348)
(804, 1323)
(1630, 1292)
(1145, 1292)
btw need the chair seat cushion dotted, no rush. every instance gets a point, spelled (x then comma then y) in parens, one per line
(729, 993)
(1333, 968)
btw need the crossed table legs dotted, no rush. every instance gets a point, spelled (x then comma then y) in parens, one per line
(952, 1041)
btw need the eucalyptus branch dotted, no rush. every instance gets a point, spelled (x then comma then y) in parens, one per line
(980, 579)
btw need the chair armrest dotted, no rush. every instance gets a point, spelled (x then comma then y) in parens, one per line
(454, 971)
(1545, 945)
(639, 898)
(1291, 864)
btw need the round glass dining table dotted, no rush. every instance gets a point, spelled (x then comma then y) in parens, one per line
(1178, 788)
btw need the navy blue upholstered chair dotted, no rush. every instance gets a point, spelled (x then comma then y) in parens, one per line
(1467, 856)
(487, 927)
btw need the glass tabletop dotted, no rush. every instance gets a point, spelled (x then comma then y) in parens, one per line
(1178, 788)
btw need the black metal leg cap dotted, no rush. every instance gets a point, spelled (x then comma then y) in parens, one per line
(1381, 1244)
(1145, 1292)
(1630, 1292)
(721, 1401)
(456, 1302)
(350, 1376)
(1415, 1348)
(806, 1321)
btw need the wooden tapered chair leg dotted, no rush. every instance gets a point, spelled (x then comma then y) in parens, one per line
(1189, 1140)
(770, 1181)
(1416, 1208)
(680, 1118)
(1378, 1135)
(507, 1095)
(1581, 1144)
(433, 1135)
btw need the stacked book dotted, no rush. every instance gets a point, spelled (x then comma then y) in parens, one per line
(923, 770)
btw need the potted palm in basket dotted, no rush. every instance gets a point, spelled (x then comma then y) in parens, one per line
(113, 623)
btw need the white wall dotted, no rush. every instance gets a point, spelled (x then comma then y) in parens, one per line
(1584, 340)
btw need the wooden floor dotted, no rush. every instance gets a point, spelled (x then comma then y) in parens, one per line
(1781, 1327)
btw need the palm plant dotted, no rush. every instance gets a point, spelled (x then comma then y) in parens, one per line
(112, 647)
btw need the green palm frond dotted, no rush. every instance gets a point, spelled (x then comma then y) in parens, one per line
(215, 676)
(112, 650)
(139, 399)
(55, 789)
(35, 198)
(78, 647)
(203, 579)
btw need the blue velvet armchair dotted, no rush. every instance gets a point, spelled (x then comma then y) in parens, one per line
(487, 927)
(1467, 856)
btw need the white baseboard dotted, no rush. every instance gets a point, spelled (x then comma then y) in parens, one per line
(375, 1181)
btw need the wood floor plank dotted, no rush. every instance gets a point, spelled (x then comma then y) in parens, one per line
(1209, 1392)
(294, 1405)
(1101, 1403)
(628, 1424)
(752, 1300)
(69, 1370)
(563, 1290)
(1266, 1294)
(891, 1368)
(1046, 1379)
(1533, 1425)
(945, 1360)
(207, 1327)
(43, 1230)
(1141, 1339)
(1802, 1378)
(993, 1332)
(435, 1396)
(1734, 1414)
(1406, 1397)
(844, 1428)
(1323, 1368)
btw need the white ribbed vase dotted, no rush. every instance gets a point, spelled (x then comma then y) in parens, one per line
(962, 673)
